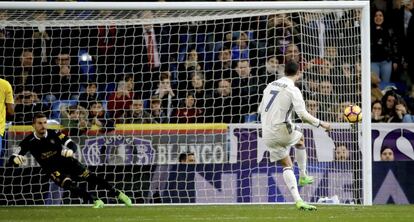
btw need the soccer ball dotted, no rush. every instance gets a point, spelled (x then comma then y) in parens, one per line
(353, 114)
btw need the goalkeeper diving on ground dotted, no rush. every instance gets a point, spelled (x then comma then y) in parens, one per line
(54, 152)
(280, 99)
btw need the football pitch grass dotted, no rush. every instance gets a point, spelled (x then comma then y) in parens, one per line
(215, 213)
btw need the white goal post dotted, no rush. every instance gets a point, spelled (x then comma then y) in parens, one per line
(219, 135)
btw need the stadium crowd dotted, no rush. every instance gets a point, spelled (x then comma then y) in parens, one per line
(207, 71)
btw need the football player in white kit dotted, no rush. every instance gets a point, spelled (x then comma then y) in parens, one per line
(280, 98)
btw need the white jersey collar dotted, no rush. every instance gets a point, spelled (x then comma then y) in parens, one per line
(38, 138)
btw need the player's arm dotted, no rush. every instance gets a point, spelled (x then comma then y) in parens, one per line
(9, 100)
(300, 108)
(69, 147)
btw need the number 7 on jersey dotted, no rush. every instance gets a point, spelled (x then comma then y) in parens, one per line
(274, 94)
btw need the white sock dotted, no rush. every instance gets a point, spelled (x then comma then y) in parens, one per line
(291, 183)
(300, 156)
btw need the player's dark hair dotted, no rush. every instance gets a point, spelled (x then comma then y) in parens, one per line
(291, 68)
(386, 147)
(38, 116)
(183, 157)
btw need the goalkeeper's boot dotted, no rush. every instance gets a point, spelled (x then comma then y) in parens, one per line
(124, 198)
(305, 180)
(301, 205)
(98, 204)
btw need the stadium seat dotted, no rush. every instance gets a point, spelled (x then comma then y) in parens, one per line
(250, 118)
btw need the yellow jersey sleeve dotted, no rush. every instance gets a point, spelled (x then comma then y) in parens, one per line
(8, 93)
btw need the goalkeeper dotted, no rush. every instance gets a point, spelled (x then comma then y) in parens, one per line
(54, 152)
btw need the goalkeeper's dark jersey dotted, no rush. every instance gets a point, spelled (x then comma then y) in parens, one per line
(47, 150)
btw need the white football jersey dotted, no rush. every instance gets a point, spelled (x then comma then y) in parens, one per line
(280, 99)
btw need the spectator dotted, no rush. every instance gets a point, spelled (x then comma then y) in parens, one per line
(166, 94)
(403, 25)
(187, 158)
(222, 68)
(245, 87)
(341, 153)
(409, 98)
(318, 28)
(186, 68)
(376, 92)
(224, 109)
(383, 49)
(389, 101)
(323, 66)
(157, 114)
(202, 96)
(28, 105)
(402, 112)
(312, 106)
(327, 94)
(344, 75)
(282, 31)
(99, 118)
(340, 111)
(148, 49)
(272, 71)
(120, 100)
(25, 76)
(293, 53)
(74, 120)
(104, 40)
(64, 82)
(136, 113)
(387, 154)
(188, 113)
(311, 82)
(89, 95)
(376, 112)
(41, 36)
(191, 63)
(331, 55)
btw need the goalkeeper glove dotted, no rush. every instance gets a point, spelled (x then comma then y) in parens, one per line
(19, 160)
(67, 153)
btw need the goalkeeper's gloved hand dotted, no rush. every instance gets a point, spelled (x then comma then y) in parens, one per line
(67, 153)
(19, 160)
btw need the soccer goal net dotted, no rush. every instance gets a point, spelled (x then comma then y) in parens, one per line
(162, 98)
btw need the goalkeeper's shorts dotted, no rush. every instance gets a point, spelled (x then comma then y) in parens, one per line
(70, 169)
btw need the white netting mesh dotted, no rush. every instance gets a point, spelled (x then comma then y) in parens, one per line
(108, 78)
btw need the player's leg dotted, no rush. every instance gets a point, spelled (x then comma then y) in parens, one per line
(64, 181)
(102, 183)
(301, 159)
(93, 179)
(290, 180)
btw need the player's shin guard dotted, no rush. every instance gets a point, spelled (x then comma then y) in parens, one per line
(68, 184)
(291, 183)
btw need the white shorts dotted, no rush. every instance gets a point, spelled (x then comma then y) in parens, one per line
(279, 141)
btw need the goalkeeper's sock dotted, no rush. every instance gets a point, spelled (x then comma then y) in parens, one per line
(300, 156)
(87, 197)
(291, 183)
(102, 183)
